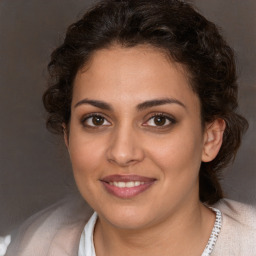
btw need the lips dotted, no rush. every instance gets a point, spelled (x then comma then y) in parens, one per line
(126, 186)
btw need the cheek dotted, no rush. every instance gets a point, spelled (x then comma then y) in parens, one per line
(86, 155)
(86, 160)
(179, 162)
(179, 154)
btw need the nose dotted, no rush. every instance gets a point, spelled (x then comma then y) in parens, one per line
(125, 148)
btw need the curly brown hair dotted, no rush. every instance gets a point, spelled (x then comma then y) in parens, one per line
(187, 37)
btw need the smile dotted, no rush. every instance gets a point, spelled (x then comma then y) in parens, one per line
(129, 184)
(126, 186)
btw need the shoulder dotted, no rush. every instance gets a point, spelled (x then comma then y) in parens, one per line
(53, 231)
(238, 232)
(240, 213)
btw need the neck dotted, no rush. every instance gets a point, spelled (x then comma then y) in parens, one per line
(184, 233)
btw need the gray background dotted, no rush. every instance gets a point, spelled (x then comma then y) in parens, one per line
(34, 166)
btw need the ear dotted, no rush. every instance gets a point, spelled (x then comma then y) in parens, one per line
(65, 134)
(213, 137)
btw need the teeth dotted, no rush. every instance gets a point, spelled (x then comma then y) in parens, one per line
(129, 184)
(137, 183)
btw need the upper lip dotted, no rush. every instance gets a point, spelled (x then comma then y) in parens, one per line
(126, 178)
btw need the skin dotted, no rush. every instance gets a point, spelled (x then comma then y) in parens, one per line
(128, 140)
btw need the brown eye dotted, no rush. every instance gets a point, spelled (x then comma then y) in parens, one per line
(159, 120)
(95, 121)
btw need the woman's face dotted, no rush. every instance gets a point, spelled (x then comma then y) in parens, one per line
(135, 138)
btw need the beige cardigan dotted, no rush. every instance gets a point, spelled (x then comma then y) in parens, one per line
(56, 231)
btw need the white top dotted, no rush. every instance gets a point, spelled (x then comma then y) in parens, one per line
(86, 245)
(56, 231)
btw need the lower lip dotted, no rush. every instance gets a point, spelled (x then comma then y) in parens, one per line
(125, 193)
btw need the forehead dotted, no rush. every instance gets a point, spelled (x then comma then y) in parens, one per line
(134, 74)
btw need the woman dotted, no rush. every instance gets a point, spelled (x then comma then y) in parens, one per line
(145, 95)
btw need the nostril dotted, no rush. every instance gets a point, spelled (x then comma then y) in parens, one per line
(121, 162)
(124, 149)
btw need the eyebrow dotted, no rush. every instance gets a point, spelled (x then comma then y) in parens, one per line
(140, 107)
(158, 102)
(95, 103)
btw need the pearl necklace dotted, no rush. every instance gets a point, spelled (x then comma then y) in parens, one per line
(215, 233)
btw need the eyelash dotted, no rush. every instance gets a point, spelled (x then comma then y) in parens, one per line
(166, 117)
(94, 115)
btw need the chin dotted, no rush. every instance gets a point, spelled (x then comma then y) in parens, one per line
(126, 217)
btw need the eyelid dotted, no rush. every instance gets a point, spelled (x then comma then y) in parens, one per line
(161, 114)
(90, 115)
